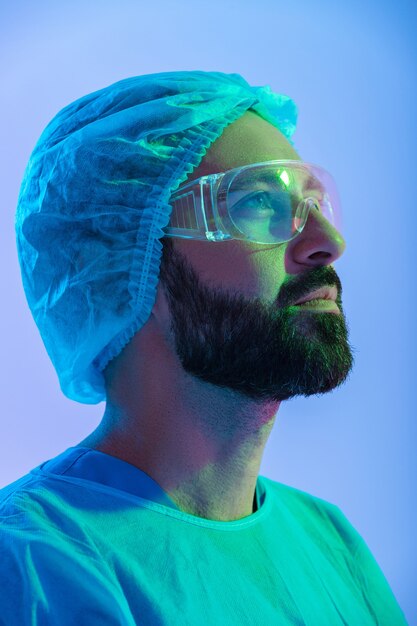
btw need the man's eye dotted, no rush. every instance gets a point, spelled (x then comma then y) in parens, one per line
(255, 201)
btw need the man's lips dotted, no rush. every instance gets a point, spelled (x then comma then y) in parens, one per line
(328, 306)
(324, 293)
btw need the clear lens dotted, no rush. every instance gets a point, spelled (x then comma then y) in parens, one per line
(270, 204)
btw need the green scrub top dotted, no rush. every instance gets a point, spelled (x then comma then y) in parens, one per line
(89, 539)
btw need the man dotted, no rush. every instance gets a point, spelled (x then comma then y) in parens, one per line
(159, 516)
(188, 405)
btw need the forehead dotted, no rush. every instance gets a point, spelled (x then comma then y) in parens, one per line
(250, 139)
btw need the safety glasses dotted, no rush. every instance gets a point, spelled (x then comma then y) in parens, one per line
(265, 202)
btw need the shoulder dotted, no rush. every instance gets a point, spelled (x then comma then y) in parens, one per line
(46, 574)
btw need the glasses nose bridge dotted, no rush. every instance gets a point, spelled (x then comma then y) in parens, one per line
(301, 213)
(318, 220)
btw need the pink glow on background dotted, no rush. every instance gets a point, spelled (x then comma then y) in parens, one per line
(352, 74)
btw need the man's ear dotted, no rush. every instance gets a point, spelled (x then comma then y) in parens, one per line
(160, 309)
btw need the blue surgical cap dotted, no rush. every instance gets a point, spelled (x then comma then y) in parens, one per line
(94, 201)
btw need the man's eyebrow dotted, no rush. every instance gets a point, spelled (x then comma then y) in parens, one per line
(313, 183)
(270, 176)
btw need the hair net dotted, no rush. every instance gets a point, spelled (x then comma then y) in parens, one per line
(94, 201)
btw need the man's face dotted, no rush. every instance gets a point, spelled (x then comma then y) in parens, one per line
(231, 324)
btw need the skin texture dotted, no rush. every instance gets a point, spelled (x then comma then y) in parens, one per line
(192, 399)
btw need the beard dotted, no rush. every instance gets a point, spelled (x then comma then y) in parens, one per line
(264, 351)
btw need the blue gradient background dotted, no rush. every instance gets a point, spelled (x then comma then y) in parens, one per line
(352, 73)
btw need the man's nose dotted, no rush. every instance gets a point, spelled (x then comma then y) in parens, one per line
(319, 242)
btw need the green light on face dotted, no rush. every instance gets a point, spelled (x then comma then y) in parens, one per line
(285, 178)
